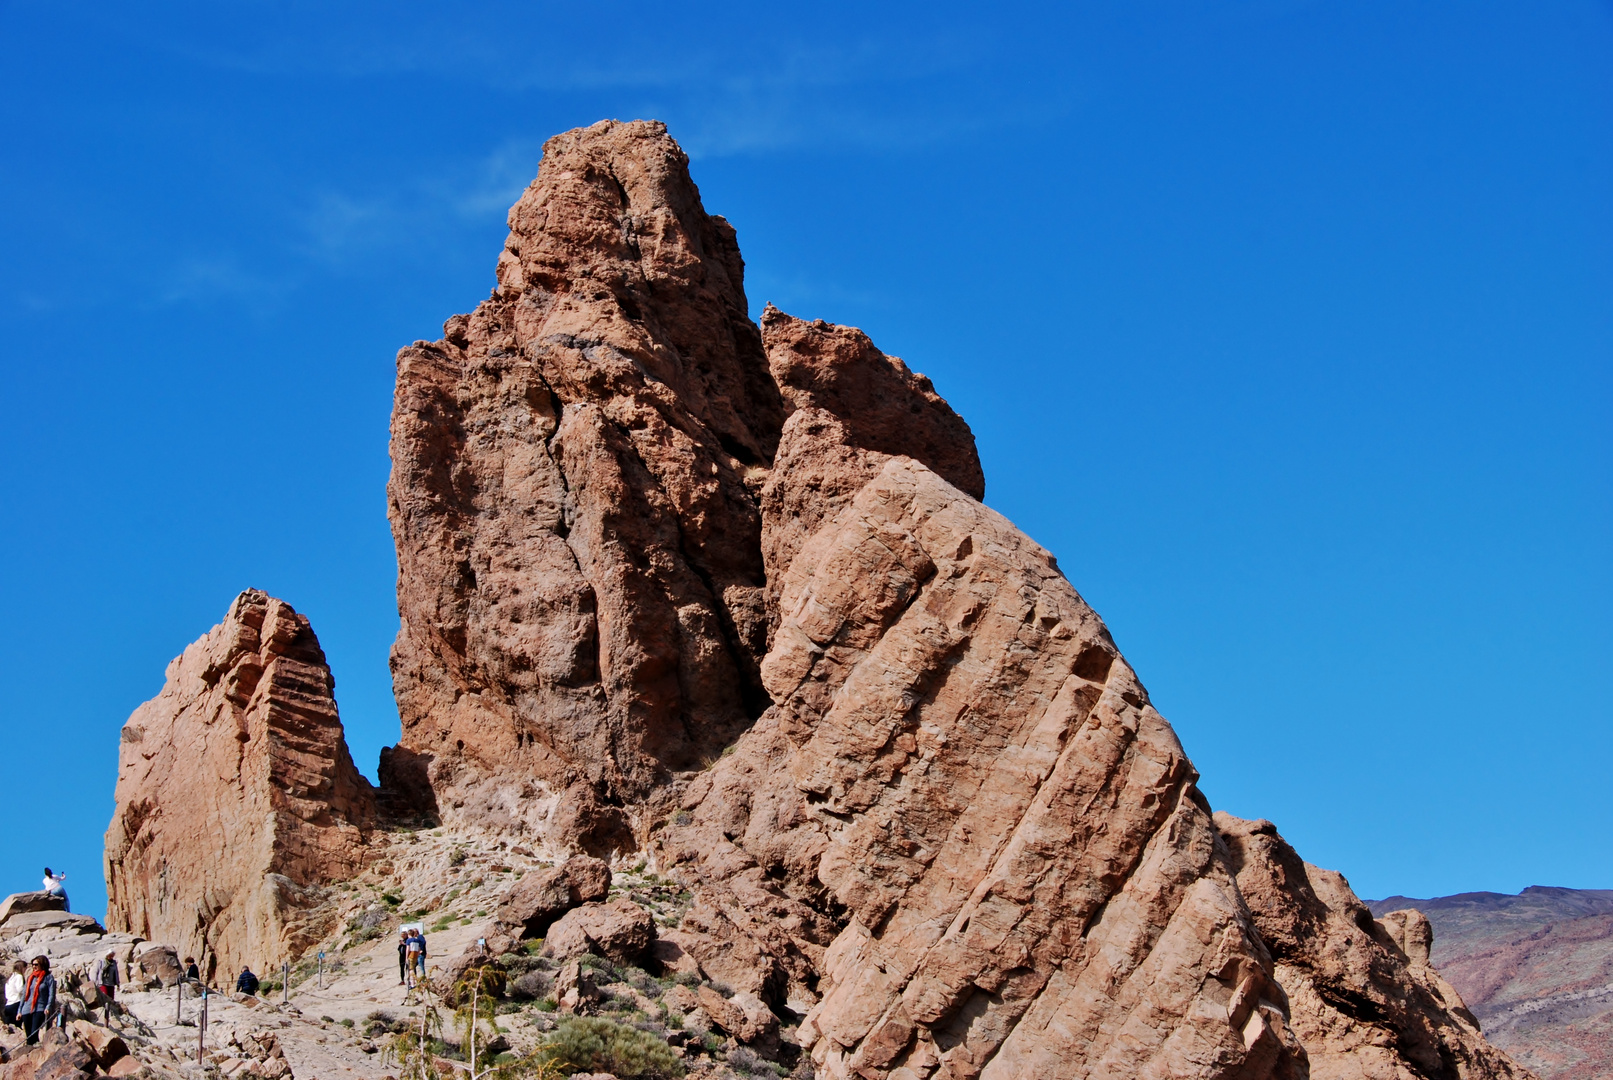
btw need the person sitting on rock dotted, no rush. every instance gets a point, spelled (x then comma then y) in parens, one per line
(192, 972)
(38, 998)
(54, 887)
(14, 988)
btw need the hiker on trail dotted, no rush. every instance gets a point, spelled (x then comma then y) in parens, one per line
(192, 972)
(246, 982)
(14, 989)
(53, 885)
(38, 998)
(414, 956)
(403, 956)
(105, 975)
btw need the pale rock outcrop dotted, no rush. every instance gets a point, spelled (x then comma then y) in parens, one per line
(237, 800)
(574, 497)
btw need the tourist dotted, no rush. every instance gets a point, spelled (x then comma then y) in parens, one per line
(403, 956)
(14, 988)
(192, 972)
(420, 959)
(414, 953)
(53, 886)
(38, 998)
(105, 975)
(246, 982)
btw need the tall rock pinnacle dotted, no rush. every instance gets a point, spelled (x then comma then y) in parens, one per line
(670, 583)
(237, 799)
(725, 596)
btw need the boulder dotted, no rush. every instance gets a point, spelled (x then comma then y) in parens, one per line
(24, 902)
(156, 965)
(746, 1019)
(236, 791)
(105, 1045)
(542, 896)
(620, 931)
(575, 989)
(53, 1059)
(61, 921)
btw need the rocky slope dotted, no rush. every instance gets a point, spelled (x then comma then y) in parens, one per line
(721, 602)
(237, 801)
(1535, 968)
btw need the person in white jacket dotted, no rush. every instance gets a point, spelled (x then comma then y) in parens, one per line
(13, 993)
(54, 886)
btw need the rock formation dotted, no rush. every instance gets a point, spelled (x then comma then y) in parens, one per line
(949, 826)
(236, 798)
(1536, 968)
(726, 596)
(576, 472)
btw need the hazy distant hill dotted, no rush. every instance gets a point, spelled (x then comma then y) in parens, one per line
(1536, 968)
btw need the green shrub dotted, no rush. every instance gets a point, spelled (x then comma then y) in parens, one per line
(594, 1044)
(392, 899)
(457, 858)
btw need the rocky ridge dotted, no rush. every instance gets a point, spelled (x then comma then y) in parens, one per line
(1535, 968)
(721, 602)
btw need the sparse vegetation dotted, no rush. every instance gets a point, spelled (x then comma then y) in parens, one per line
(595, 1044)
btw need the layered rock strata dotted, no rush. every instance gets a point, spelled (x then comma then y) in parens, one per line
(237, 800)
(727, 595)
(949, 827)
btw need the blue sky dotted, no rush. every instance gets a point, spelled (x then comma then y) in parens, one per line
(1287, 326)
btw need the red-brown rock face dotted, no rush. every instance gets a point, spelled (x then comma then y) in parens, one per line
(236, 798)
(948, 826)
(578, 471)
(576, 474)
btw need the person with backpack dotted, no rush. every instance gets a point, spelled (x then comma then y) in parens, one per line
(414, 954)
(105, 975)
(38, 998)
(246, 982)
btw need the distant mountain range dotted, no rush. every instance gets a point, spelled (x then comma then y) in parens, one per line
(1535, 968)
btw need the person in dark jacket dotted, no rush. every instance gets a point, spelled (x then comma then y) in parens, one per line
(192, 972)
(246, 982)
(38, 998)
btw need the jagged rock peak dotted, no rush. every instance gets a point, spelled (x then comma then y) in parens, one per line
(574, 496)
(237, 799)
